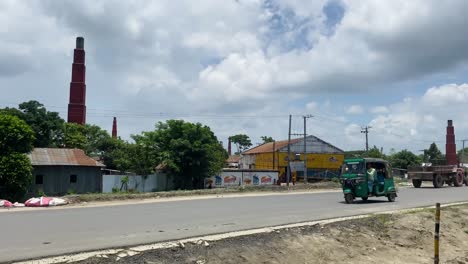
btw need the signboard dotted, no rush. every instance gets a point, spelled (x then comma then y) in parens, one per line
(297, 166)
(231, 178)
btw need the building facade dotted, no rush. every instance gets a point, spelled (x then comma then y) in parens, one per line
(323, 159)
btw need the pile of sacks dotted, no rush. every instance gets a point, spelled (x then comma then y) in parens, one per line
(34, 202)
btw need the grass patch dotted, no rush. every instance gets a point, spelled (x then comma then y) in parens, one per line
(384, 219)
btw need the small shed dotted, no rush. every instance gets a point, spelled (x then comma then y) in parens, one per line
(58, 171)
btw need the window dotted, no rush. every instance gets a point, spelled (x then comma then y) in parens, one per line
(73, 178)
(39, 179)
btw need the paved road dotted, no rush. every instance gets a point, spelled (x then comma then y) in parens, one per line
(32, 234)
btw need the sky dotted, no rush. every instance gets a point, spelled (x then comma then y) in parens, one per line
(243, 66)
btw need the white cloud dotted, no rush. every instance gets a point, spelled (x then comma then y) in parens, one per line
(355, 110)
(312, 106)
(246, 57)
(419, 121)
(379, 110)
(446, 95)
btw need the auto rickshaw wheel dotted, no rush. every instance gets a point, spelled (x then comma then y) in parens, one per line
(438, 181)
(391, 197)
(349, 198)
(417, 183)
(364, 198)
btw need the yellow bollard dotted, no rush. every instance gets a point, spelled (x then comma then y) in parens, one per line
(436, 234)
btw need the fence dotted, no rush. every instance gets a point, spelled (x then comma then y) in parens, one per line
(242, 178)
(150, 183)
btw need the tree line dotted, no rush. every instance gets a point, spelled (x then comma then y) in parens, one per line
(404, 158)
(188, 152)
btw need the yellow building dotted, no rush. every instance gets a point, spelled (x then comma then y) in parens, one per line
(323, 159)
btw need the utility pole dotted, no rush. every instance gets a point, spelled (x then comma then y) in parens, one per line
(288, 173)
(274, 148)
(305, 148)
(365, 130)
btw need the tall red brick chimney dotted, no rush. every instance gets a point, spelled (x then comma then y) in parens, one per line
(450, 147)
(114, 128)
(229, 146)
(77, 104)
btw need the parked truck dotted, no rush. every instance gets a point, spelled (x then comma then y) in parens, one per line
(451, 173)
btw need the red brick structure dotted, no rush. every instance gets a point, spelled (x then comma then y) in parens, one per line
(77, 103)
(450, 147)
(114, 128)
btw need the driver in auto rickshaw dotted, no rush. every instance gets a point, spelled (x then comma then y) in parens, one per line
(371, 176)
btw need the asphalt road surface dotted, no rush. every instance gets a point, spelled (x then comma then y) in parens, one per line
(38, 233)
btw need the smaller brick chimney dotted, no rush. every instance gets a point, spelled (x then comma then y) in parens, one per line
(114, 128)
(229, 146)
(450, 147)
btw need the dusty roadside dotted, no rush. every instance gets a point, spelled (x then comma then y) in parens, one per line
(322, 185)
(388, 238)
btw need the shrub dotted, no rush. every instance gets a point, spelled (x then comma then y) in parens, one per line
(15, 176)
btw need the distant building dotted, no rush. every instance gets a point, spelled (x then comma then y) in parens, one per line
(60, 171)
(232, 162)
(323, 159)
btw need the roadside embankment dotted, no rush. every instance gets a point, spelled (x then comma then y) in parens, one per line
(405, 237)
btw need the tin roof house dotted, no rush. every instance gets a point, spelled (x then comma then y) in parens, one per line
(58, 171)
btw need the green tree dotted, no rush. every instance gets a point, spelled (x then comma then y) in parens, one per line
(90, 138)
(47, 126)
(143, 156)
(114, 153)
(433, 155)
(74, 136)
(15, 175)
(242, 142)
(375, 153)
(267, 139)
(13, 112)
(190, 152)
(463, 155)
(404, 159)
(15, 135)
(16, 139)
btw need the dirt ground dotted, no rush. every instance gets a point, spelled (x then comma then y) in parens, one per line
(389, 238)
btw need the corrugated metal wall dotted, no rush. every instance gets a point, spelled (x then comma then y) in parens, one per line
(56, 180)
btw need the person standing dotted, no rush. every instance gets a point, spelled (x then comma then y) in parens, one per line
(371, 174)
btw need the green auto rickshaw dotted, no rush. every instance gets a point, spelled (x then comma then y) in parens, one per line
(355, 179)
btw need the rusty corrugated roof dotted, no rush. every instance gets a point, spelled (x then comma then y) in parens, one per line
(233, 159)
(61, 157)
(268, 147)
